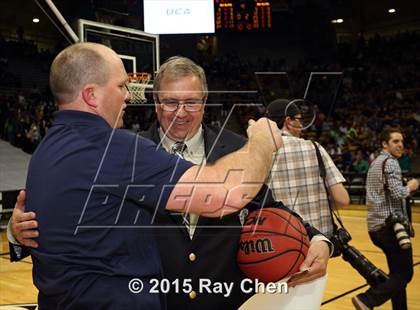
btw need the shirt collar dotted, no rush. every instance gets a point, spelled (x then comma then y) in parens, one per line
(387, 154)
(284, 132)
(74, 116)
(193, 144)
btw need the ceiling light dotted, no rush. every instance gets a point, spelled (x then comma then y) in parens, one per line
(391, 11)
(35, 20)
(340, 20)
(334, 21)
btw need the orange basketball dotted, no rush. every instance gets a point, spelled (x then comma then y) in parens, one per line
(273, 245)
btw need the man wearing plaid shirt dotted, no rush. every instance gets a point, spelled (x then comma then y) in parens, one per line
(386, 194)
(295, 180)
(295, 177)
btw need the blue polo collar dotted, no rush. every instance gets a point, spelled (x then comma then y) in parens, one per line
(67, 117)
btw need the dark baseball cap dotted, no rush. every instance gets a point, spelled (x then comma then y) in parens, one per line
(279, 109)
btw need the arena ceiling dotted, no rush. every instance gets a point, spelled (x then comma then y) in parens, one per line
(371, 15)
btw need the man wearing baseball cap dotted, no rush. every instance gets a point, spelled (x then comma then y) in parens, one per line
(287, 115)
(295, 176)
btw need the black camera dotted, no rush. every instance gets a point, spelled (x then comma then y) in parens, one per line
(373, 275)
(402, 230)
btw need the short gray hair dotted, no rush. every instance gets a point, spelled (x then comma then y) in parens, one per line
(176, 67)
(74, 67)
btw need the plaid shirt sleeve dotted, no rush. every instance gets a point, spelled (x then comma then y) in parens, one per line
(333, 175)
(393, 175)
(380, 201)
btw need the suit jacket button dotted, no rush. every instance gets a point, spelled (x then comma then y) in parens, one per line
(192, 257)
(193, 294)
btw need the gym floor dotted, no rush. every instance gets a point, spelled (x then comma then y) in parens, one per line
(343, 281)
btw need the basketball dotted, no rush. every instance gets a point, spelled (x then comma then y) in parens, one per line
(273, 244)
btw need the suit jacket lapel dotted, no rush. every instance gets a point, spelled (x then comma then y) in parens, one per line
(214, 149)
(153, 134)
(212, 145)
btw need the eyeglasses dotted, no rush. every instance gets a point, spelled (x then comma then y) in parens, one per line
(190, 105)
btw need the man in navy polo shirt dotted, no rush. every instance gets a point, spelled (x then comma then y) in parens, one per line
(90, 183)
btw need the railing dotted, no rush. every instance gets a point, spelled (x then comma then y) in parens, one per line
(356, 186)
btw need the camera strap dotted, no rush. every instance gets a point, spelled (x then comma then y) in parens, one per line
(385, 181)
(323, 174)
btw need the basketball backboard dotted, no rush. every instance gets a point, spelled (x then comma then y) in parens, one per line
(139, 50)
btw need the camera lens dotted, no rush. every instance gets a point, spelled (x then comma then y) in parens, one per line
(373, 275)
(402, 237)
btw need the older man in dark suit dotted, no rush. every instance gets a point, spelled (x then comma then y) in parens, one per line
(180, 93)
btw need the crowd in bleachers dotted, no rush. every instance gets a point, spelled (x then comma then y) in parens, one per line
(17, 53)
(25, 114)
(380, 87)
(25, 119)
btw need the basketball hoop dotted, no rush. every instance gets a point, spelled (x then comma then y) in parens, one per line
(137, 82)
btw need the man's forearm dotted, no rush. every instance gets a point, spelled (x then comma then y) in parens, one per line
(339, 195)
(398, 190)
(227, 185)
(248, 166)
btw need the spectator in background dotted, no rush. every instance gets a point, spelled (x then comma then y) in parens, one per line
(405, 161)
(360, 164)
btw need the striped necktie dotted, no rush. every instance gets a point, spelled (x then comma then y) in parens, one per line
(178, 148)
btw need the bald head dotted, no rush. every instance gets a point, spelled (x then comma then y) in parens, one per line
(76, 66)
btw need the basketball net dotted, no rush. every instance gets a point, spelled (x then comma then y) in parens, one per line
(137, 86)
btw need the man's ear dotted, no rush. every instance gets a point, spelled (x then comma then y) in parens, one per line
(384, 144)
(89, 95)
(287, 120)
(158, 109)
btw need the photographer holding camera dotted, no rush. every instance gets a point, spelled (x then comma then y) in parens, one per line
(296, 173)
(388, 223)
(305, 178)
